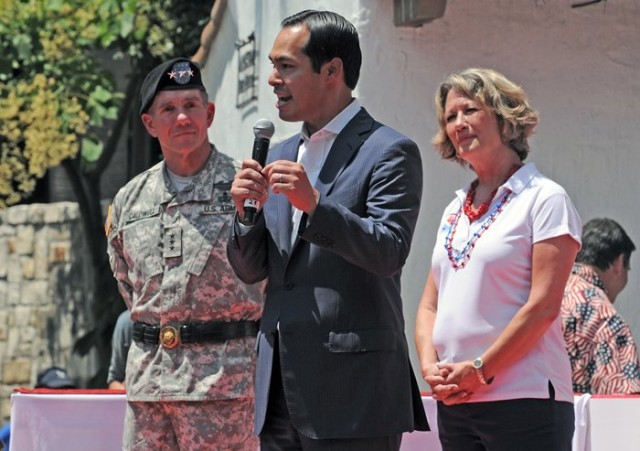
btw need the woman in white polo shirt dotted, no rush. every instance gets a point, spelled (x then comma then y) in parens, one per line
(487, 331)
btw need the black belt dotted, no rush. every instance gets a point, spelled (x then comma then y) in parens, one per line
(171, 336)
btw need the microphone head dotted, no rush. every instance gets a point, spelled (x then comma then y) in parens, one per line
(263, 129)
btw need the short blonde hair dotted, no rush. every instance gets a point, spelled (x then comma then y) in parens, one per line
(516, 118)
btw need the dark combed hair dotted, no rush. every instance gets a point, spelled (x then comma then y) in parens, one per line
(603, 240)
(330, 36)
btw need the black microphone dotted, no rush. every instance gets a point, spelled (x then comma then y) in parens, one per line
(263, 131)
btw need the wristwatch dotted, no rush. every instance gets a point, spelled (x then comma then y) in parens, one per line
(478, 363)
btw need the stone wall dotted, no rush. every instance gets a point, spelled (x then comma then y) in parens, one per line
(44, 305)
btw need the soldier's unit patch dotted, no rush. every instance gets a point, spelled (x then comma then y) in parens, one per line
(107, 224)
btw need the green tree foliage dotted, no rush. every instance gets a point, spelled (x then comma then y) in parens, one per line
(57, 99)
(53, 90)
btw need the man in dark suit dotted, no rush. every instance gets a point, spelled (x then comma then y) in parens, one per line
(341, 200)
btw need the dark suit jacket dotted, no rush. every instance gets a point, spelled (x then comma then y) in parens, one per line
(335, 296)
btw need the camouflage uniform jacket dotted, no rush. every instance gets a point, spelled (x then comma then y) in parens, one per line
(167, 251)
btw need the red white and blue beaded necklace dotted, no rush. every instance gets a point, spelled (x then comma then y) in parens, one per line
(460, 258)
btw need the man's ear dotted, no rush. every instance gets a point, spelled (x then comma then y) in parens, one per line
(211, 112)
(334, 68)
(147, 121)
(617, 266)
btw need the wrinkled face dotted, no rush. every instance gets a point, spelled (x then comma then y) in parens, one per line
(299, 89)
(179, 119)
(470, 126)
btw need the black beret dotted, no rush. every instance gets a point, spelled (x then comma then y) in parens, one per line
(179, 73)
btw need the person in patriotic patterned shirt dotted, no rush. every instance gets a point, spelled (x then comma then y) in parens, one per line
(603, 354)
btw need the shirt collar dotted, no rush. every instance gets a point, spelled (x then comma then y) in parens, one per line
(338, 123)
(200, 186)
(516, 183)
(588, 274)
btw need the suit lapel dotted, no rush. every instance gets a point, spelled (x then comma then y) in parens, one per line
(346, 144)
(283, 207)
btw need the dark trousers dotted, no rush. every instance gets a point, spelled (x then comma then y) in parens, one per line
(279, 434)
(521, 424)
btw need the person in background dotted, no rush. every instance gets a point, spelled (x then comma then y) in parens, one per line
(603, 354)
(5, 436)
(190, 366)
(120, 343)
(341, 200)
(488, 328)
(55, 377)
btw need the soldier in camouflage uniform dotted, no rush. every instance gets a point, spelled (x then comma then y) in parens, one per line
(190, 368)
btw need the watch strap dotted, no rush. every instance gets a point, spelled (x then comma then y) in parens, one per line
(478, 365)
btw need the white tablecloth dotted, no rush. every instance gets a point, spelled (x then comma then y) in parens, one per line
(424, 441)
(67, 422)
(84, 421)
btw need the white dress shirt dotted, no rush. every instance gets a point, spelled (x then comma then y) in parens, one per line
(314, 149)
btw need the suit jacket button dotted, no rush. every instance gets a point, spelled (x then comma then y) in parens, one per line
(288, 286)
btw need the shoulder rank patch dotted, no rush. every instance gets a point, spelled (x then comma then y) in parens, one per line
(107, 224)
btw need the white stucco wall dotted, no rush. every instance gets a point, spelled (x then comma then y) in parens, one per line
(580, 67)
